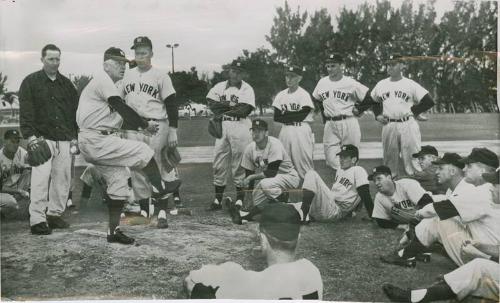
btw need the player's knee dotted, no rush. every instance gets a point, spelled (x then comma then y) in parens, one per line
(480, 265)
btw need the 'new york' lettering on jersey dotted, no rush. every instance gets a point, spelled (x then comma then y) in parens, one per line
(256, 159)
(406, 196)
(339, 97)
(346, 184)
(292, 102)
(222, 92)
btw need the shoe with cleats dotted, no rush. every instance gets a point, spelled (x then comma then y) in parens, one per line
(395, 259)
(119, 237)
(396, 294)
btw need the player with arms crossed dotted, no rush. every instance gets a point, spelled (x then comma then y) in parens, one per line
(149, 91)
(292, 107)
(284, 278)
(397, 101)
(336, 96)
(231, 101)
(100, 115)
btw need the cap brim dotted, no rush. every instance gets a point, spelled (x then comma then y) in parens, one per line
(439, 162)
(416, 155)
(140, 44)
(492, 177)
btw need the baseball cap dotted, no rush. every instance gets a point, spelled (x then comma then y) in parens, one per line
(493, 177)
(349, 150)
(482, 155)
(237, 65)
(450, 158)
(281, 221)
(426, 150)
(295, 70)
(142, 41)
(335, 58)
(12, 134)
(259, 124)
(114, 53)
(379, 170)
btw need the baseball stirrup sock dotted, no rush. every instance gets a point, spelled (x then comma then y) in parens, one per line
(144, 204)
(114, 212)
(163, 204)
(219, 193)
(153, 173)
(240, 194)
(414, 248)
(86, 191)
(437, 292)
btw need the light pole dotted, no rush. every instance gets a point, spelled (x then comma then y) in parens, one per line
(172, 46)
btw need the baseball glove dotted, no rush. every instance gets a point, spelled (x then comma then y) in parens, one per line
(170, 158)
(215, 127)
(404, 216)
(38, 152)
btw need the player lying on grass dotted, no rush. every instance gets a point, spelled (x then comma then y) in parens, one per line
(477, 278)
(467, 213)
(284, 278)
(350, 188)
(269, 173)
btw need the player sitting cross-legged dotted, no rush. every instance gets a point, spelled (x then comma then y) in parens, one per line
(265, 161)
(349, 189)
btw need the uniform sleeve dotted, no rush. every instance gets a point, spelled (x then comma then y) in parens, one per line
(316, 90)
(247, 95)
(276, 153)
(247, 159)
(120, 88)
(166, 87)
(105, 88)
(214, 93)
(472, 205)
(379, 210)
(212, 276)
(413, 189)
(418, 92)
(375, 93)
(359, 91)
(306, 100)
(360, 177)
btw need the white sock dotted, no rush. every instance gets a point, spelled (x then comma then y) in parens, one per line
(243, 213)
(144, 213)
(417, 295)
(162, 214)
(122, 215)
(238, 202)
(216, 201)
(400, 253)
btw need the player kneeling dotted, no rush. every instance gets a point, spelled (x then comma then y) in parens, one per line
(264, 160)
(284, 278)
(349, 189)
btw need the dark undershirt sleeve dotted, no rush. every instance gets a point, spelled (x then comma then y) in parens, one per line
(200, 291)
(272, 169)
(445, 210)
(240, 110)
(377, 109)
(365, 104)
(172, 110)
(426, 199)
(290, 117)
(424, 104)
(366, 198)
(248, 173)
(131, 117)
(386, 223)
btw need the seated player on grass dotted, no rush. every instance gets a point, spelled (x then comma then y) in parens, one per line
(284, 278)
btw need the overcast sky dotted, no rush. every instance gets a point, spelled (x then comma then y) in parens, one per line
(210, 32)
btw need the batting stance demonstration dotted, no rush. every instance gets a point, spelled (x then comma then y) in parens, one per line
(292, 107)
(149, 91)
(47, 108)
(350, 187)
(336, 96)
(397, 101)
(231, 101)
(269, 173)
(100, 115)
(284, 278)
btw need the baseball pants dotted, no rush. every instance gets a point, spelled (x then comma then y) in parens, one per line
(111, 156)
(23, 203)
(299, 144)
(479, 277)
(338, 133)
(400, 140)
(50, 183)
(229, 150)
(140, 183)
(323, 206)
(8, 204)
(272, 188)
(93, 178)
(451, 233)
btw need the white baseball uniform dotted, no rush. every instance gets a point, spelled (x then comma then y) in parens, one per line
(339, 201)
(479, 220)
(110, 154)
(145, 92)
(297, 137)
(16, 173)
(298, 280)
(406, 196)
(338, 99)
(399, 139)
(92, 177)
(256, 160)
(236, 133)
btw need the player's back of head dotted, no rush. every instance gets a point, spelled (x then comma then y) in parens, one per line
(280, 223)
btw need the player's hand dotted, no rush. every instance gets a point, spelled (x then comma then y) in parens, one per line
(469, 251)
(246, 181)
(355, 112)
(421, 117)
(73, 147)
(152, 128)
(23, 193)
(382, 119)
(426, 212)
(172, 137)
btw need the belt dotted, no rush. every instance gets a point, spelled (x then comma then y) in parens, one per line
(107, 132)
(294, 123)
(230, 119)
(400, 120)
(337, 118)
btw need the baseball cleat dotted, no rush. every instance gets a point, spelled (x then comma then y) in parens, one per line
(56, 222)
(170, 187)
(162, 223)
(214, 206)
(395, 259)
(178, 203)
(234, 211)
(424, 257)
(41, 229)
(119, 237)
(396, 294)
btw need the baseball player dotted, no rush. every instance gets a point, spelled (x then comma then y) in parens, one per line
(149, 91)
(100, 115)
(350, 187)
(427, 176)
(468, 213)
(269, 172)
(397, 101)
(47, 108)
(292, 107)
(233, 100)
(284, 278)
(336, 96)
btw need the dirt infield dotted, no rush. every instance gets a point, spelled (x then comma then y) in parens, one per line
(78, 263)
